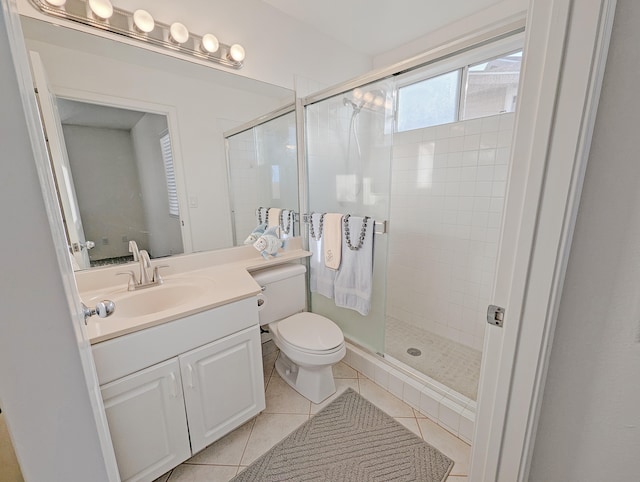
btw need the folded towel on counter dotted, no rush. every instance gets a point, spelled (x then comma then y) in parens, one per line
(332, 240)
(354, 280)
(321, 278)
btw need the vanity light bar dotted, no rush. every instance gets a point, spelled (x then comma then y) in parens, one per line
(122, 22)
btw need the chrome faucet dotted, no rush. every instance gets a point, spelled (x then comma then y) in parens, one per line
(133, 248)
(145, 264)
(143, 280)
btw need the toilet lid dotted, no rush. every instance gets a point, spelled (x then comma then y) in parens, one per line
(310, 331)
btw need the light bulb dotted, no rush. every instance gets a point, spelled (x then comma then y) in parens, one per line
(101, 8)
(56, 3)
(378, 101)
(357, 94)
(368, 97)
(143, 21)
(178, 33)
(210, 43)
(236, 52)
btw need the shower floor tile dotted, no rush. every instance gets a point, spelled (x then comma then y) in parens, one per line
(451, 363)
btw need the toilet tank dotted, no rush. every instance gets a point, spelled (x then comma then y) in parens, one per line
(284, 291)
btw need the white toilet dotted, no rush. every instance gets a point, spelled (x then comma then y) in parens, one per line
(309, 343)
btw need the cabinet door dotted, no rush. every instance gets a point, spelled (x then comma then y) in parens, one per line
(147, 421)
(223, 386)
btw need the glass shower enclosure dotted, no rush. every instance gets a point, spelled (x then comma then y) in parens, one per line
(348, 140)
(427, 151)
(263, 172)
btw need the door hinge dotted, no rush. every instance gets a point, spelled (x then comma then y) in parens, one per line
(495, 315)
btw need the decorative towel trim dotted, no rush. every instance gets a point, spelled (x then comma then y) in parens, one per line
(363, 232)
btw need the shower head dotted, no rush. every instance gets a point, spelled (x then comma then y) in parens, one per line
(356, 107)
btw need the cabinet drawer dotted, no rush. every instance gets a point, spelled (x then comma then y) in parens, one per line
(133, 352)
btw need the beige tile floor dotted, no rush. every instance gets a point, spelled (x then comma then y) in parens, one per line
(287, 410)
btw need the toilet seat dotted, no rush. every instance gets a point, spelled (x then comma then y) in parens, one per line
(310, 333)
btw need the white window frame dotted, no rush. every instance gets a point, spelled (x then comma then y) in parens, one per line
(473, 56)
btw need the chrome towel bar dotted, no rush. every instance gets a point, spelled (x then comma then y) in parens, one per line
(381, 227)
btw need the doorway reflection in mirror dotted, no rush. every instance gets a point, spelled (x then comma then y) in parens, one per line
(123, 176)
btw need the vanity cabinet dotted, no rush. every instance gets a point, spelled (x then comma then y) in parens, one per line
(188, 383)
(145, 412)
(221, 387)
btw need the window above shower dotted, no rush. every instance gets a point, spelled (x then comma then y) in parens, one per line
(480, 88)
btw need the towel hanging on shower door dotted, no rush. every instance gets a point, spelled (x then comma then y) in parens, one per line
(332, 240)
(321, 278)
(354, 280)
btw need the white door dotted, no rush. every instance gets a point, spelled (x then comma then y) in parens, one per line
(223, 386)
(565, 54)
(147, 421)
(60, 162)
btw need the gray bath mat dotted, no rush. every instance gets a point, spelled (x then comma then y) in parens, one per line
(350, 440)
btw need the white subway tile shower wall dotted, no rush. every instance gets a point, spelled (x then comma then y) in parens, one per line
(447, 196)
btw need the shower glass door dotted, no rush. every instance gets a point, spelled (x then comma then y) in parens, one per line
(349, 139)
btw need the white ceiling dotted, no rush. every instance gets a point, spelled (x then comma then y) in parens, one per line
(376, 26)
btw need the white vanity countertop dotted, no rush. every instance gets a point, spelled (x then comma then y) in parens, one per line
(221, 277)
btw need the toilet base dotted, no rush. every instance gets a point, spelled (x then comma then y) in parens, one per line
(313, 383)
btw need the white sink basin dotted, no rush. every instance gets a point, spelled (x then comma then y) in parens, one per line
(170, 295)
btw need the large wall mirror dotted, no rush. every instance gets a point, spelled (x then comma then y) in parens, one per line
(153, 105)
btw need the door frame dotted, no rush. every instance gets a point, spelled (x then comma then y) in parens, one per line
(59, 159)
(554, 123)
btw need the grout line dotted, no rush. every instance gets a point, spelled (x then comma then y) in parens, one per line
(419, 429)
(246, 444)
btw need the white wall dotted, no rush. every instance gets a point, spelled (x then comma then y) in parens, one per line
(198, 105)
(43, 391)
(589, 428)
(164, 232)
(447, 196)
(501, 11)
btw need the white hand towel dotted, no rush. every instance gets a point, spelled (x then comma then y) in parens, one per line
(354, 281)
(274, 217)
(332, 240)
(321, 278)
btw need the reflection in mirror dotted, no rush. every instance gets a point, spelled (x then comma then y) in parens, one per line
(199, 103)
(124, 179)
(263, 175)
